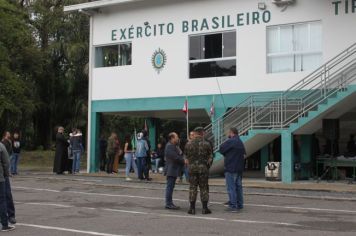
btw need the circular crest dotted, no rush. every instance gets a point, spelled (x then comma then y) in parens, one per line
(159, 60)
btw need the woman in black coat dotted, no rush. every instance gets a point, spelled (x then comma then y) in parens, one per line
(61, 155)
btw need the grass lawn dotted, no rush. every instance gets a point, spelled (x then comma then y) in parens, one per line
(41, 160)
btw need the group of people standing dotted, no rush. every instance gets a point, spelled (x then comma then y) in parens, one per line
(10, 148)
(198, 158)
(68, 152)
(137, 154)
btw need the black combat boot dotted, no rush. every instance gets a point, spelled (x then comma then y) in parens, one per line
(192, 208)
(205, 210)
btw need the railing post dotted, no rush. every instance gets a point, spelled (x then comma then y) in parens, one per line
(281, 112)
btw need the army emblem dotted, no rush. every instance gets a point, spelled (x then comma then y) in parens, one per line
(159, 60)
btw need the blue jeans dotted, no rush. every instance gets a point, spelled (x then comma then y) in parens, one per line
(142, 167)
(156, 166)
(15, 157)
(186, 173)
(130, 162)
(76, 161)
(3, 211)
(234, 189)
(171, 182)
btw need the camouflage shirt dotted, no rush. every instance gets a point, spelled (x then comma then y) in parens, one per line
(199, 154)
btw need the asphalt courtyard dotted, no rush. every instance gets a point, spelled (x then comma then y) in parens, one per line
(65, 205)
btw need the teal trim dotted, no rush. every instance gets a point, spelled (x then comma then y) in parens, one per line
(264, 157)
(287, 157)
(170, 103)
(94, 144)
(306, 153)
(151, 123)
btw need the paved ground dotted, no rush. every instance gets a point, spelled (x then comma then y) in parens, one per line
(83, 205)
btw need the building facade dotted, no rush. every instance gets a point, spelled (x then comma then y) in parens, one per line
(148, 57)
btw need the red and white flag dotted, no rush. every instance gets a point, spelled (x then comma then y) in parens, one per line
(185, 107)
(212, 110)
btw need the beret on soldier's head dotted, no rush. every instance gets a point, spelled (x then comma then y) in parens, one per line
(199, 129)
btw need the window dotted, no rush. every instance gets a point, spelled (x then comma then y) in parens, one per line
(113, 55)
(293, 48)
(212, 55)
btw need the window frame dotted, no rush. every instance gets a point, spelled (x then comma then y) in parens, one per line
(118, 59)
(293, 53)
(212, 59)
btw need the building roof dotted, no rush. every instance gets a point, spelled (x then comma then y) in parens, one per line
(96, 5)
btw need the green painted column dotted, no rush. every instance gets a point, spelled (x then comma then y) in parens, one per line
(306, 153)
(264, 157)
(94, 161)
(287, 157)
(151, 123)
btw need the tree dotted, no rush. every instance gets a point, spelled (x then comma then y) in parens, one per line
(43, 75)
(62, 87)
(17, 51)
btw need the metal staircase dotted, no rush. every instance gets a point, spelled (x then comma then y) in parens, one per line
(278, 111)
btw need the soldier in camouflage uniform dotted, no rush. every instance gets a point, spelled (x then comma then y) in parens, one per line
(199, 157)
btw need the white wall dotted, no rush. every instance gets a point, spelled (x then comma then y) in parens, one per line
(140, 80)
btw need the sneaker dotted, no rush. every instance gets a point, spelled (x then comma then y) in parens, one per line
(7, 228)
(227, 203)
(12, 220)
(172, 207)
(128, 179)
(232, 210)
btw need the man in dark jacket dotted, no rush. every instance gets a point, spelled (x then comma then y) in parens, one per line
(6, 140)
(234, 152)
(4, 174)
(174, 164)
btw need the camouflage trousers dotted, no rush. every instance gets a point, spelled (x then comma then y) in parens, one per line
(201, 180)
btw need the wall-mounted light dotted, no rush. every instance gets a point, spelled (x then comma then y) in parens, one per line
(262, 6)
(146, 23)
(284, 3)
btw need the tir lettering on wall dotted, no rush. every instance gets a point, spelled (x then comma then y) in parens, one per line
(344, 7)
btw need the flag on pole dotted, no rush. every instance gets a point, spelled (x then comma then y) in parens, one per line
(186, 112)
(185, 107)
(212, 110)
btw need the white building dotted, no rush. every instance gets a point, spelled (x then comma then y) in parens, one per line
(146, 57)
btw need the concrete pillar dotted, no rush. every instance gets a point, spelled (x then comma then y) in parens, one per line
(287, 157)
(306, 154)
(94, 158)
(151, 123)
(264, 157)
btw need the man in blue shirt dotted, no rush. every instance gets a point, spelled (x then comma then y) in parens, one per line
(234, 163)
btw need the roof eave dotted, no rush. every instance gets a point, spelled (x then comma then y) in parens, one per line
(89, 6)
